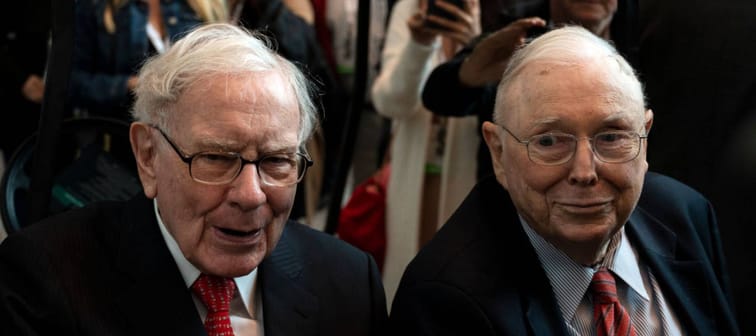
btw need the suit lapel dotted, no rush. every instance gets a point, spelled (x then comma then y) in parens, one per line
(288, 308)
(682, 281)
(532, 298)
(153, 297)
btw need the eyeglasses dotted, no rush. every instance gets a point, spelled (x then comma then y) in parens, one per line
(277, 170)
(551, 149)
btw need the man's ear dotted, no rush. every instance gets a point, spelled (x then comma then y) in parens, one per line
(649, 120)
(492, 135)
(144, 148)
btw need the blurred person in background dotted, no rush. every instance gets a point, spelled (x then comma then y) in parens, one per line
(114, 37)
(432, 167)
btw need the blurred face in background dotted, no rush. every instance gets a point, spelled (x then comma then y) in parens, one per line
(225, 229)
(594, 15)
(580, 204)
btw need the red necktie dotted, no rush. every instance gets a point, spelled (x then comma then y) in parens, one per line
(216, 293)
(608, 314)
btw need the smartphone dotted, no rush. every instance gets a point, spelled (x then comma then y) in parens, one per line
(434, 9)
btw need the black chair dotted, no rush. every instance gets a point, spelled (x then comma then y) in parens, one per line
(92, 162)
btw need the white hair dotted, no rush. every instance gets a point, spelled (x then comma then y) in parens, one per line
(215, 49)
(569, 46)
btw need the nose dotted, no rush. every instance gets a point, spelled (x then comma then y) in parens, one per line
(247, 189)
(583, 164)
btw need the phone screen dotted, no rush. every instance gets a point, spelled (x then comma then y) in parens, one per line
(434, 9)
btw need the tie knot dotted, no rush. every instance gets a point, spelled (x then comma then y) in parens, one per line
(214, 291)
(603, 286)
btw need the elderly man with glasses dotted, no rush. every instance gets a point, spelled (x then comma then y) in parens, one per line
(573, 235)
(220, 125)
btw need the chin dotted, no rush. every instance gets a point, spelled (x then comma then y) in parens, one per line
(589, 233)
(235, 269)
(232, 265)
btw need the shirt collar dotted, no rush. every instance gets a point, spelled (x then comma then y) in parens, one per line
(570, 280)
(626, 267)
(190, 273)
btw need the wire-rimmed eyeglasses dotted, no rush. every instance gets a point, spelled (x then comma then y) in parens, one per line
(278, 170)
(551, 149)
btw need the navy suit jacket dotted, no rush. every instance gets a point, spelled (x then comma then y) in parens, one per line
(481, 276)
(105, 270)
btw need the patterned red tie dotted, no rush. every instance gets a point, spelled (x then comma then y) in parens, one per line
(610, 317)
(216, 293)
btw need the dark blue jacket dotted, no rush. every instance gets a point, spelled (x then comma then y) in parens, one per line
(103, 62)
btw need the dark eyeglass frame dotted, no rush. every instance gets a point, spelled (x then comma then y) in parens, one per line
(188, 159)
(569, 157)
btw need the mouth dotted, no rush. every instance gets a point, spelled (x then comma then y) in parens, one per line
(586, 208)
(239, 237)
(237, 233)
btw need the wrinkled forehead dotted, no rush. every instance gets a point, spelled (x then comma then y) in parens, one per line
(264, 89)
(549, 81)
(244, 85)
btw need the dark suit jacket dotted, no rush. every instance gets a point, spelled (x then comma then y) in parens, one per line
(105, 270)
(481, 276)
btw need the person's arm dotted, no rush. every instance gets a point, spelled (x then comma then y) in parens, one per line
(443, 92)
(454, 87)
(405, 64)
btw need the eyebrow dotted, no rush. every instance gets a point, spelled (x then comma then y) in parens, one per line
(547, 122)
(556, 122)
(216, 145)
(237, 147)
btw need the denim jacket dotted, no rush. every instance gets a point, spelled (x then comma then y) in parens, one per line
(103, 62)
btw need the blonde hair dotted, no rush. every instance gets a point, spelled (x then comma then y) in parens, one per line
(210, 11)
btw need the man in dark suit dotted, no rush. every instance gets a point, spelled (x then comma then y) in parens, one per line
(220, 121)
(573, 236)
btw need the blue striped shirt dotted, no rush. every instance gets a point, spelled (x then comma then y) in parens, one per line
(637, 288)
